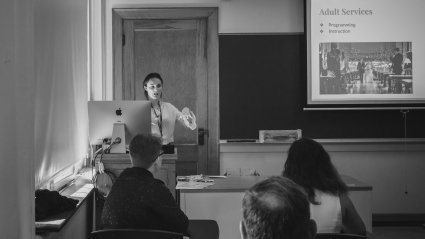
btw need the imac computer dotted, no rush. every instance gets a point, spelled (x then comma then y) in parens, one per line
(119, 121)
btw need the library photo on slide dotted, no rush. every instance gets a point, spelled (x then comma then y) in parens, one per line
(365, 68)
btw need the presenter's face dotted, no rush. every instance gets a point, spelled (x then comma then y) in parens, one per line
(154, 89)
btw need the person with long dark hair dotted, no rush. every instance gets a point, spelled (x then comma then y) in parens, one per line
(309, 165)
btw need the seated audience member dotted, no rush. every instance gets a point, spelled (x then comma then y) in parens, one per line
(309, 165)
(276, 208)
(139, 201)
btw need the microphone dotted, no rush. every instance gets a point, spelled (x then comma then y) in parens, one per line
(93, 163)
(116, 141)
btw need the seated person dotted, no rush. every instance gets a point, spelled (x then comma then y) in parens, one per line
(276, 208)
(309, 165)
(139, 201)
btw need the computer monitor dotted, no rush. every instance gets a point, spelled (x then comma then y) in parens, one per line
(136, 115)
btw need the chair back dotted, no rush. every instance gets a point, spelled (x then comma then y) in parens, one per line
(203, 229)
(135, 234)
(339, 236)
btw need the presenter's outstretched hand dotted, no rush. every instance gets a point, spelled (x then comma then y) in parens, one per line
(189, 118)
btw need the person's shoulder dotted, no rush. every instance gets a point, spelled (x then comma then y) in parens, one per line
(346, 203)
(158, 187)
(157, 181)
(168, 105)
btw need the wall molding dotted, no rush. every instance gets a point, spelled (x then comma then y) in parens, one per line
(333, 145)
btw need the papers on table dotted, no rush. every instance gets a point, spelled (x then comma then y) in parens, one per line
(193, 185)
(194, 182)
(217, 176)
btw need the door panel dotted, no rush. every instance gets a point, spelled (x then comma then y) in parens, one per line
(172, 53)
(175, 49)
(181, 45)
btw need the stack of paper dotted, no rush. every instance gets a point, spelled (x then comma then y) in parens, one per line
(193, 185)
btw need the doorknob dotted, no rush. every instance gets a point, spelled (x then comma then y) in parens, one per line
(201, 135)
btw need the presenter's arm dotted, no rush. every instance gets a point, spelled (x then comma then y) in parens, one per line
(351, 221)
(186, 117)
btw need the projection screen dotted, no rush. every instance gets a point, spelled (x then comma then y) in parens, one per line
(362, 52)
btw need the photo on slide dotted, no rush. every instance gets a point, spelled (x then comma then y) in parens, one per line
(365, 68)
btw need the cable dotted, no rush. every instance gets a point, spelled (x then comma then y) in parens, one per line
(404, 112)
(116, 141)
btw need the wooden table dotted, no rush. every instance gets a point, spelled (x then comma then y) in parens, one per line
(223, 202)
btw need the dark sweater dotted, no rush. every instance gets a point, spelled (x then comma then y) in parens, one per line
(137, 200)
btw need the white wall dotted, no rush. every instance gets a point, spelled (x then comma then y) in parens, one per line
(257, 16)
(235, 17)
(97, 47)
(16, 119)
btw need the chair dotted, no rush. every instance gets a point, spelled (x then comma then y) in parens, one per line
(203, 229)
(198, 229)
(339, 236)
(135, 234)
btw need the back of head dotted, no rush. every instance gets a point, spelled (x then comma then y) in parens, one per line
(309, 165)
(276, 208)
(144, 149)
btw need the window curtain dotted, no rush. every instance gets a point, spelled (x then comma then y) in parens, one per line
(61, 65)
(43, 101)
(17, 83)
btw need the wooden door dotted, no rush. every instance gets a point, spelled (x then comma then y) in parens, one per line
(178, 44)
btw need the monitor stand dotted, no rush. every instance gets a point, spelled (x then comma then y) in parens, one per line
(118, 131)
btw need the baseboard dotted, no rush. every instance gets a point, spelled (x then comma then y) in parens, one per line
(398, 219)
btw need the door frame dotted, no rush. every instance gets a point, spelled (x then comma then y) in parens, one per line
(210, 14)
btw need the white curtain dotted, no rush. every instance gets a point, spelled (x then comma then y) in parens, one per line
(61, 64)
(43, 101)
(17, 119)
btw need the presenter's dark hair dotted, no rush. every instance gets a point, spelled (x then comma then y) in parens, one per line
(150, 76)
(309, 165)
(145, 148)
(276, 208)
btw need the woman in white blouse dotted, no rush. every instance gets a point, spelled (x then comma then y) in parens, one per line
(163, 114)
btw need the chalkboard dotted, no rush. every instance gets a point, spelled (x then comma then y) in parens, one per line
(263, 86)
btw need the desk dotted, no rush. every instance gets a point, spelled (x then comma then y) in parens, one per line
(223, 201)
(76, 223)
(396, 83)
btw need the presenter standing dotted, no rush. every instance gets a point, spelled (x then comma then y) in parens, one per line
(163, 114)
